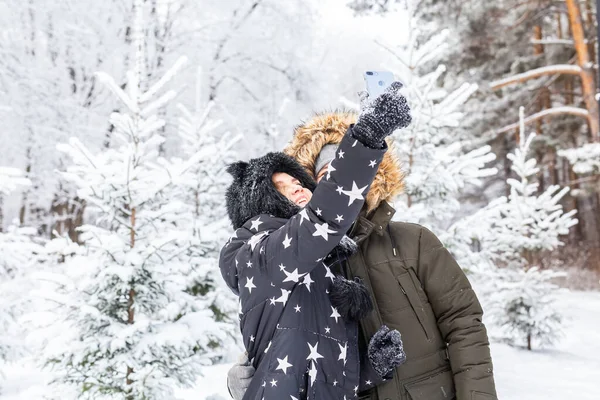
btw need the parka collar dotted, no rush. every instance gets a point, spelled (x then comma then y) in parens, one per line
(377, 221)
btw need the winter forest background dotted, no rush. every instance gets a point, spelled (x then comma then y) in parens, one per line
(118, 118)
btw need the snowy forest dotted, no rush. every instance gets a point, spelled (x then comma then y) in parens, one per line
(119, 118)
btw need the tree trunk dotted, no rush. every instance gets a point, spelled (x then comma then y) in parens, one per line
(24, 199)
(529, 341)
(1, 213)
(131, 297)
(587, 70)
(590, 25)
(552, 169)
(559, 29)
(538, 50)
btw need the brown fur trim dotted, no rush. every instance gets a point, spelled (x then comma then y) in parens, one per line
(310, 137)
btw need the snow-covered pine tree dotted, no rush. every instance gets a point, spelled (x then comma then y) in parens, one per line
(510, 235)
(19, 251)
(439, 160)
(524, 307)
(203, 195)
(133, 329)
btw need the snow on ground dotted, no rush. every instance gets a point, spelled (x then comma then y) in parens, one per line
(571, 370)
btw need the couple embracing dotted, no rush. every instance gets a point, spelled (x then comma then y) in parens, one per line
(337, 301)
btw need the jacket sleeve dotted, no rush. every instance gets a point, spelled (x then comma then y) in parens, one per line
(459, 318)
(368, 376)
(298, 247)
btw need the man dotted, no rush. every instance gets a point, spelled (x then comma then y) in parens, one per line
(416, 286)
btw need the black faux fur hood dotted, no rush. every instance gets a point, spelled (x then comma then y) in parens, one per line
(252, 191)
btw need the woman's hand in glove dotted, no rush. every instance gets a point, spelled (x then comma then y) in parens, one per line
(386, 351)
(381, 116)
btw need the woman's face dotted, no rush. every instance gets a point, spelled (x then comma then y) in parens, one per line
(291, 188)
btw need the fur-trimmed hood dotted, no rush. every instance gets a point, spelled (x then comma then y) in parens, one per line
(252, 191)
(310, 137)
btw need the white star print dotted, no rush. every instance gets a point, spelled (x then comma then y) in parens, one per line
(281, 267)
(372, 163)
(262, 250)
(272, 301)
(268, 347)
(293, 276)
(327, 329)
(283, 364)
(287, 242)
(318, 211)
(323, 230)
(256, 223)
(343, 352)
(285, 294)
(330, 169)
(340, 190)
(273, 383)
(340, 154)
(256, 238)
(250, 284)
(354, 144)
(264, 384)
(314, 355)
(312, 373)
(307, 281)
(356, 388)
(328, 274)
(303, 216)
(368, 383)
(249, 264)
(355, 193)
(297, 308)
(339, 218)
(335, 314)
(252, 338)
(335, 383)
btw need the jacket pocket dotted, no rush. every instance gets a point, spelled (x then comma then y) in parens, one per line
(408, 288)
(439, 386)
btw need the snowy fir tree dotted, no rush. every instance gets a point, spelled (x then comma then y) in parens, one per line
(19, 252)
(524, 307)
(508, 237)
(438, 159)
(133, 329)
(202, 195)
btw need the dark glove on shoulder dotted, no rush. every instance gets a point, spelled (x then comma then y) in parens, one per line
(381, 117)
(386, 351)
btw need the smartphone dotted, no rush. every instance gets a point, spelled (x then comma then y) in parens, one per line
(377, 82)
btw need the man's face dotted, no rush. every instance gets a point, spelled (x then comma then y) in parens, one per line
(291, 188)
(322, 172)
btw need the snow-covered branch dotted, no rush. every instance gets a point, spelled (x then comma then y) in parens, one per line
(536, 73)
(581, 112)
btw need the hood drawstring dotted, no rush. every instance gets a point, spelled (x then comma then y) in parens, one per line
(392, 239)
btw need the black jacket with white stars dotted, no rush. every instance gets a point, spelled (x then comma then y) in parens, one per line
(275, 262)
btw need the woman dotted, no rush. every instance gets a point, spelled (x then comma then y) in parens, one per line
(298, 319)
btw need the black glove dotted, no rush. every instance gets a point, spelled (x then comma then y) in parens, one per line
(386, 351)
(381, 117)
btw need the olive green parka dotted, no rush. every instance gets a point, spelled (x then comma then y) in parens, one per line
(416, 286)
